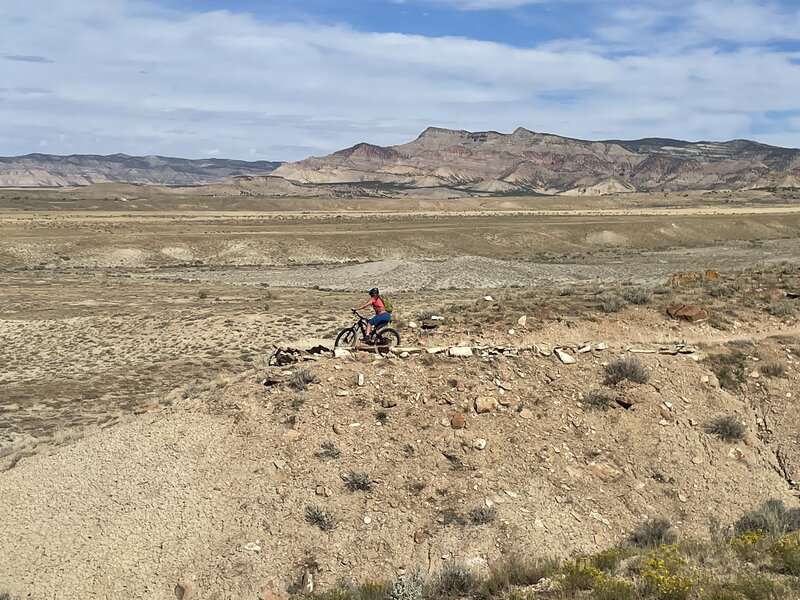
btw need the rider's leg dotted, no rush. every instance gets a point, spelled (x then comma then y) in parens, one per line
(369, 327)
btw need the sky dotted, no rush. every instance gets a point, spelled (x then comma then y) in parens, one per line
(287, 79)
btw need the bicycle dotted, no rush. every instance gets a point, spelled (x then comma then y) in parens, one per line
(381, 337)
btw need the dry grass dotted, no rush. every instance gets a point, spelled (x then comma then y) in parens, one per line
(319, 517)
(727, 428)
(653, 533)
(629, 369)
(358, 482)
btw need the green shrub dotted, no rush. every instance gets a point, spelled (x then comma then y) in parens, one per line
(786, 553)
(727, 428)
(608, 560)
(517, 571)
(653, 533)
(580, 575)
(626, 368)
(614, 589)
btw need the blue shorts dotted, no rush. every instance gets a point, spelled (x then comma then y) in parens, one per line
(380, 319)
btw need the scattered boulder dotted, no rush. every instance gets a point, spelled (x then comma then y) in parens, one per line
(184, 591)
(388, 403)
(563, 356)
(458, 421)
(272, 380)
(460, 351)
(522, 321)
(688, 312)
(430, 324)
(485, 404)
(341, 353)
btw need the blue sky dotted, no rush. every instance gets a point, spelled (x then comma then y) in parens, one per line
(282, 80)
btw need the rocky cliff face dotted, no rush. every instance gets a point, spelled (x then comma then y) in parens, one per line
(527, 162)
(45, 170)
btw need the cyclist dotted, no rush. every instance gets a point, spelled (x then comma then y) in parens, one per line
(382, 316)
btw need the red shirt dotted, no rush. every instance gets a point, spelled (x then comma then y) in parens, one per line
(377, 304)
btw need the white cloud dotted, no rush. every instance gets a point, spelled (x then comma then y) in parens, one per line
(127, 76)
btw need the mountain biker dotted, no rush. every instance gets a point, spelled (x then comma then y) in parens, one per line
(382, 316)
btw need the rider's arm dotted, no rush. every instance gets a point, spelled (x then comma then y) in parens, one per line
(365, 305)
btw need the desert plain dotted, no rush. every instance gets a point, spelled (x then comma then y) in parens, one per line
(142, 456)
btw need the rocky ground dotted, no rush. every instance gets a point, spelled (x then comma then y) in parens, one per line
(213, 489)
(140, 449)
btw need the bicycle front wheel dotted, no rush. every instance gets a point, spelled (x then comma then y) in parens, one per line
(346, 337)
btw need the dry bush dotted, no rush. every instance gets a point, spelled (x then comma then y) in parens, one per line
(597, 400)
(517, 571)
(356, 481)
(729, 369)
(727, 428)
(772, 518)
(638, 296)
(773, 369)
(612, 303)
(319, 517)
(626, 368)
(755, 586)
(302, 378)
(653, 533)
(329, 450)
(482, 515)
(781, 308)
(455, 581)
(202, 294)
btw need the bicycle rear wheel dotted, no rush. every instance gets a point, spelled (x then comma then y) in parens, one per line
(346, 337)
(387, 338)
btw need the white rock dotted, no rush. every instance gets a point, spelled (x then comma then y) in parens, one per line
(360, 379)
(480, 443)
(341, 353)
(342, 393)
(367, 520)
(584, 349)
(601, 346)
(511, 332)
(522, 321)
(563, 356)
(462, 351)
(252, 547)
(404, 355)
(437, 318)
(412, 325)
(510, 494)
(488, 298)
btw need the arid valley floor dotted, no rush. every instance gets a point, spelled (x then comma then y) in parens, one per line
(140, 451)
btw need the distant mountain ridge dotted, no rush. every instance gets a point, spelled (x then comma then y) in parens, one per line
(47, 170)
(524, 162)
